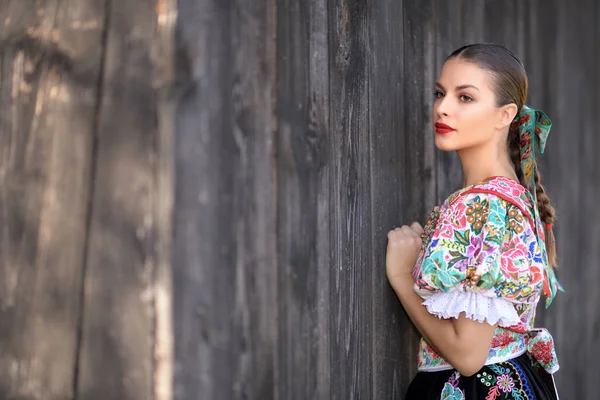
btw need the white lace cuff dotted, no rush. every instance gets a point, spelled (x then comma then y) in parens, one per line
(476, 306)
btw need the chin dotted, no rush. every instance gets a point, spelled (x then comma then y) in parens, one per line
(445, 143)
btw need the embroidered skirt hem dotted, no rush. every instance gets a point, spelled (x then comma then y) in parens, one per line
(520, 378)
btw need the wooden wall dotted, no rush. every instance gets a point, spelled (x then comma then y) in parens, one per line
(195, 194)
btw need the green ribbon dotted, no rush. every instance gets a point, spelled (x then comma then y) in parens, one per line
(533, 127)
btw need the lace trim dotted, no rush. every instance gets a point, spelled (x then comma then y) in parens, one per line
(476, 306)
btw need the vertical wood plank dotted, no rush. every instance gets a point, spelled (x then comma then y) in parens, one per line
(350, 201)
(116, 354)
(224, 264)
(448, 37)
(393, 336)
(419, 153)
(585, 286)
(303, 200)
(203, 240)
(402, 160)
(165, 83)
(253, 127)
(49, 68)
(542, 61)
(502, 25)
(569, 173)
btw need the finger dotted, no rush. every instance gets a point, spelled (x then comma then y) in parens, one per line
(417, 227)
(408, 231)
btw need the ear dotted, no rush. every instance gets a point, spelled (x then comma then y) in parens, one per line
(506, 115)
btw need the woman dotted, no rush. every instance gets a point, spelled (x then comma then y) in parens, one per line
(470, 279)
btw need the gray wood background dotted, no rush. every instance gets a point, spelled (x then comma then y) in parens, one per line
(195, 194)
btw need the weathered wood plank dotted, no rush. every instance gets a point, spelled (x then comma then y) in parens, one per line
(49, 68)
(541, 62)
(254, 191)
(303, 200)
(473, 21)
(569, 173)
(419, 154)
(448, 22)
(224, 264)
(116, 355)
(393, 337)
(350, 287)
(203, 66)
(164, 81)
(502, 24)
(402, 160)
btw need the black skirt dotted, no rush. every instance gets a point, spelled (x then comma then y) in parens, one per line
(516, 379)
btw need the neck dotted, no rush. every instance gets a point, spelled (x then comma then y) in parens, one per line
(479, 163)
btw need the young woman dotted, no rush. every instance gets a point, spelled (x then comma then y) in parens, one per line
(470, 279)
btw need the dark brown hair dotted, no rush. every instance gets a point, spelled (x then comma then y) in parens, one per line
(510, 85)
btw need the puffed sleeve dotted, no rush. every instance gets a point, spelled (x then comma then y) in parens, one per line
(463, 267)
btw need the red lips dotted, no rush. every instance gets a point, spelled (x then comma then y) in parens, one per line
(443, 128)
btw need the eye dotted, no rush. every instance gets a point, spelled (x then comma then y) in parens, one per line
(465, 98)
(438, 95)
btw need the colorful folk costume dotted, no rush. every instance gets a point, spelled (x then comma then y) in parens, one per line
(484, 254)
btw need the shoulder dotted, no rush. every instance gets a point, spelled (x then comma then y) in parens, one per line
(471, 212)
(485, 240)
(497, 187)
(492, 199)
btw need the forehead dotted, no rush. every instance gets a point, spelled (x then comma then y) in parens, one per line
(457, 72)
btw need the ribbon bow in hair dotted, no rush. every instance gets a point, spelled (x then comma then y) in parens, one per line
(534, 128)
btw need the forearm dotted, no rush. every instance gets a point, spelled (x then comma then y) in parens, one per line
(455, 346)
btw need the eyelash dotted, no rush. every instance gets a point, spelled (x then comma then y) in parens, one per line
(437, 94)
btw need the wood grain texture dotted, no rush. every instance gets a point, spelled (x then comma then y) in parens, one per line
(165, 82)
(351, 230)
(569, 173)
(116, 353)
(195, 194)
(448, 23)
(303, 201)
(393, 336)
(544, 92)
(49, 68)
(402, 170)
(224, 265)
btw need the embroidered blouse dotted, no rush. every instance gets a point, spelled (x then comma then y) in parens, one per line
(484, 254)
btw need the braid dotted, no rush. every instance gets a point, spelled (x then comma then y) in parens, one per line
(545, 209)
(547, 215)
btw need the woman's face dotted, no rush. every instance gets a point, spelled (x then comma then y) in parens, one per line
(465, 114)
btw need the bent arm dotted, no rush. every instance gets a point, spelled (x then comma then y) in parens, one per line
(464, 343)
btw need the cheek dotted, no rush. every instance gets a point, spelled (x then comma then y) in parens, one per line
(473, 122)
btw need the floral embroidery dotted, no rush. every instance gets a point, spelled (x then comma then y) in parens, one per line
(451, 393)
(505, 383)
(541, 346)
(451, 390)
(542, 351)
(483, 239)
(504, 380)
(493, 393)
(502, 339)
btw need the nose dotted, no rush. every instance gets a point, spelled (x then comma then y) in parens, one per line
(442, 107)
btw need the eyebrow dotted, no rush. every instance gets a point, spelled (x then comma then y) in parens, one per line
(461, 87)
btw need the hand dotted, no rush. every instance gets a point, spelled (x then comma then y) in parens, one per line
(404, 246)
